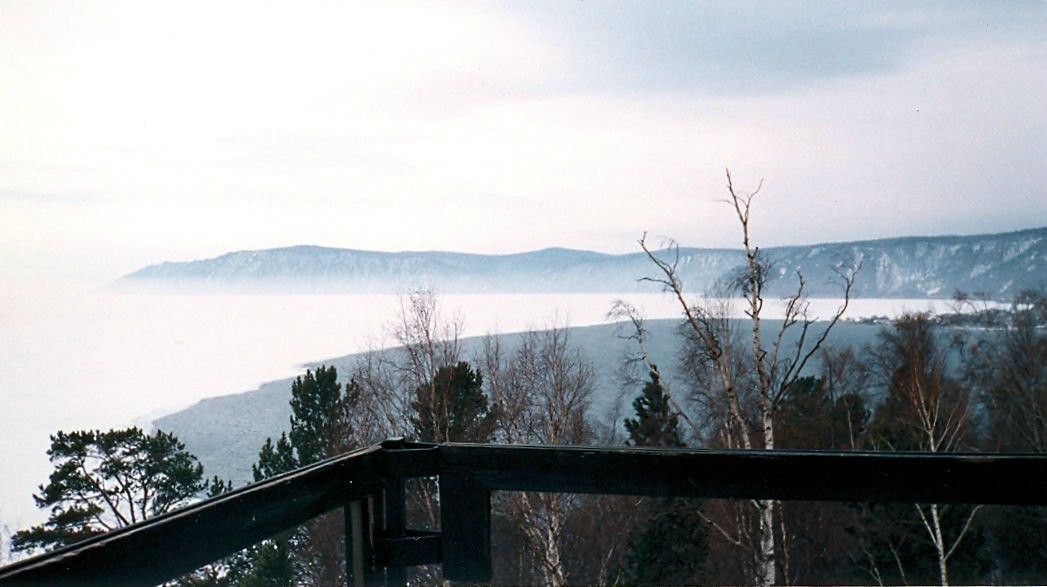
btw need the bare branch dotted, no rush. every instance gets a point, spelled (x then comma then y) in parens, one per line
(963, 531)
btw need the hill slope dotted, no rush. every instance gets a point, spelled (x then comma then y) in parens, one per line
(998, 264)
(226, 432)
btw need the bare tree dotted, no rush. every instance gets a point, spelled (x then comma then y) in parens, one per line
(429, 341)
(765, 373)
(1009, 368)
(846, 379)
(388, 377)
(924, 410)
(398, 387)
(544, 391)
(636, 366)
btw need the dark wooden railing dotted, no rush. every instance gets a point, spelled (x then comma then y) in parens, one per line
(369, 485)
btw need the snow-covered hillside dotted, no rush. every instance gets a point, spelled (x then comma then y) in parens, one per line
(999, 265)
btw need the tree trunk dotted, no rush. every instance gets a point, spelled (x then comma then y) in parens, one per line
(939, 544)
(554, 574)
(765, 560)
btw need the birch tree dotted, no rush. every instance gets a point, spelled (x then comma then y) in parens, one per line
(392, 380)
(924, 410)
(543, 389)
(771, 364)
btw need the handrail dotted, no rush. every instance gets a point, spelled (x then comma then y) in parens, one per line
(170, 545)
(470, 472)
(915, 477)
(369, 482)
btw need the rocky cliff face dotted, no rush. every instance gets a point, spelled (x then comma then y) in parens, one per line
(999, 265)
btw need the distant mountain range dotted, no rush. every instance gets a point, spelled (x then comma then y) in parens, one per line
(999, 265)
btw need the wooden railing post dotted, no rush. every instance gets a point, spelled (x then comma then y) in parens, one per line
(394, 525)
(465, 528)
(397, 546)
(360, 566)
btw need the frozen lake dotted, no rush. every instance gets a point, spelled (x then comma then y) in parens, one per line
(80, 357)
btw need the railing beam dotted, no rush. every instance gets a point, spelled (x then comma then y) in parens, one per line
(379, 545)
(777, 474)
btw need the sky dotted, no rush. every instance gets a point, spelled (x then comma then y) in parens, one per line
(137, 132)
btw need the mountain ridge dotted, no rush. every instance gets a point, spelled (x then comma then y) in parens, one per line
(1000, 265)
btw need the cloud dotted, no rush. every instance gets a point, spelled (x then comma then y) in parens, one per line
(753, 48)
(153, 131)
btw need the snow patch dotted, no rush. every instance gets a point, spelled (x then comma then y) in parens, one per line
(980, 269)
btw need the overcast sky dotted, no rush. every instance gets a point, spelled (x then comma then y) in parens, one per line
(135, 132)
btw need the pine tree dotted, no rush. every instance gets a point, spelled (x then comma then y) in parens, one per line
(274, 459)
(453, 407)
(673, 545)
(319, 427)
(671, 550)
(108, 480)
(316, 406)
(655, 423)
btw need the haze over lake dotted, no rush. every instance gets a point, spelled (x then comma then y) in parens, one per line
(81, 357)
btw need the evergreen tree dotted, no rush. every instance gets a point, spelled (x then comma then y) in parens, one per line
(272, 565)
(453, 407)
(655, 423)
(274, 459)
(108, 480)
(815, 538)
(671, 550)
(674, 543)
(810, 419)
(318, 410)
(803, 417)
(320, 427)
